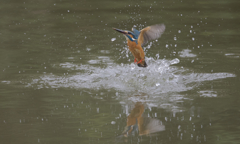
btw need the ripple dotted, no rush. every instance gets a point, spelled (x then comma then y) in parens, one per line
(186, 53)
(208, 93)
(232, 55)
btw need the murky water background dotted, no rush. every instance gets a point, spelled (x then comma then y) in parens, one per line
(67, 77)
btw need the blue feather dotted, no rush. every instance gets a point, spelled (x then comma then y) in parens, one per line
(135, 35)
(136, 32)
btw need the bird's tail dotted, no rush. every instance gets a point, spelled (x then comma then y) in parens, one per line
(142, 64)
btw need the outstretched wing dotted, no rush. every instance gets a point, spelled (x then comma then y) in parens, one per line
(151, 33)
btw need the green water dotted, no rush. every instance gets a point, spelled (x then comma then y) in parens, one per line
(67, 77)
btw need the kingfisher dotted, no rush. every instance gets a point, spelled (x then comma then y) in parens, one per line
(137, 39)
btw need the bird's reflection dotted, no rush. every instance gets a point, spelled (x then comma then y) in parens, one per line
(138, 123)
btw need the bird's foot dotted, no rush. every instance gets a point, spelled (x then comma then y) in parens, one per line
(135, 61)
(139, 61)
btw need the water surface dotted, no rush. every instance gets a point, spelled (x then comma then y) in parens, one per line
(67, 77)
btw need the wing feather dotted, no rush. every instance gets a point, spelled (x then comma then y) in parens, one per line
(151, 33)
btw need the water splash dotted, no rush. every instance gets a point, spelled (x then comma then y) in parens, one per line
(158, 85)
(161, 76)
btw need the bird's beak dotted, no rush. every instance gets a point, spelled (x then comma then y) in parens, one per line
(121, 31)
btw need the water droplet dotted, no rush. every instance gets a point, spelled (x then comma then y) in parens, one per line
(113, 39)
(132, 67)
(174, 61)
(157, 84)
(113, 122)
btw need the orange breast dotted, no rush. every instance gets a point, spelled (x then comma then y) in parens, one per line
(136, 50)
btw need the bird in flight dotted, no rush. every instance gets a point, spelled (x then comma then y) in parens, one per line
(137, 39)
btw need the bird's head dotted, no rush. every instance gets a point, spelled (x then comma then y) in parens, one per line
(128, 34)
